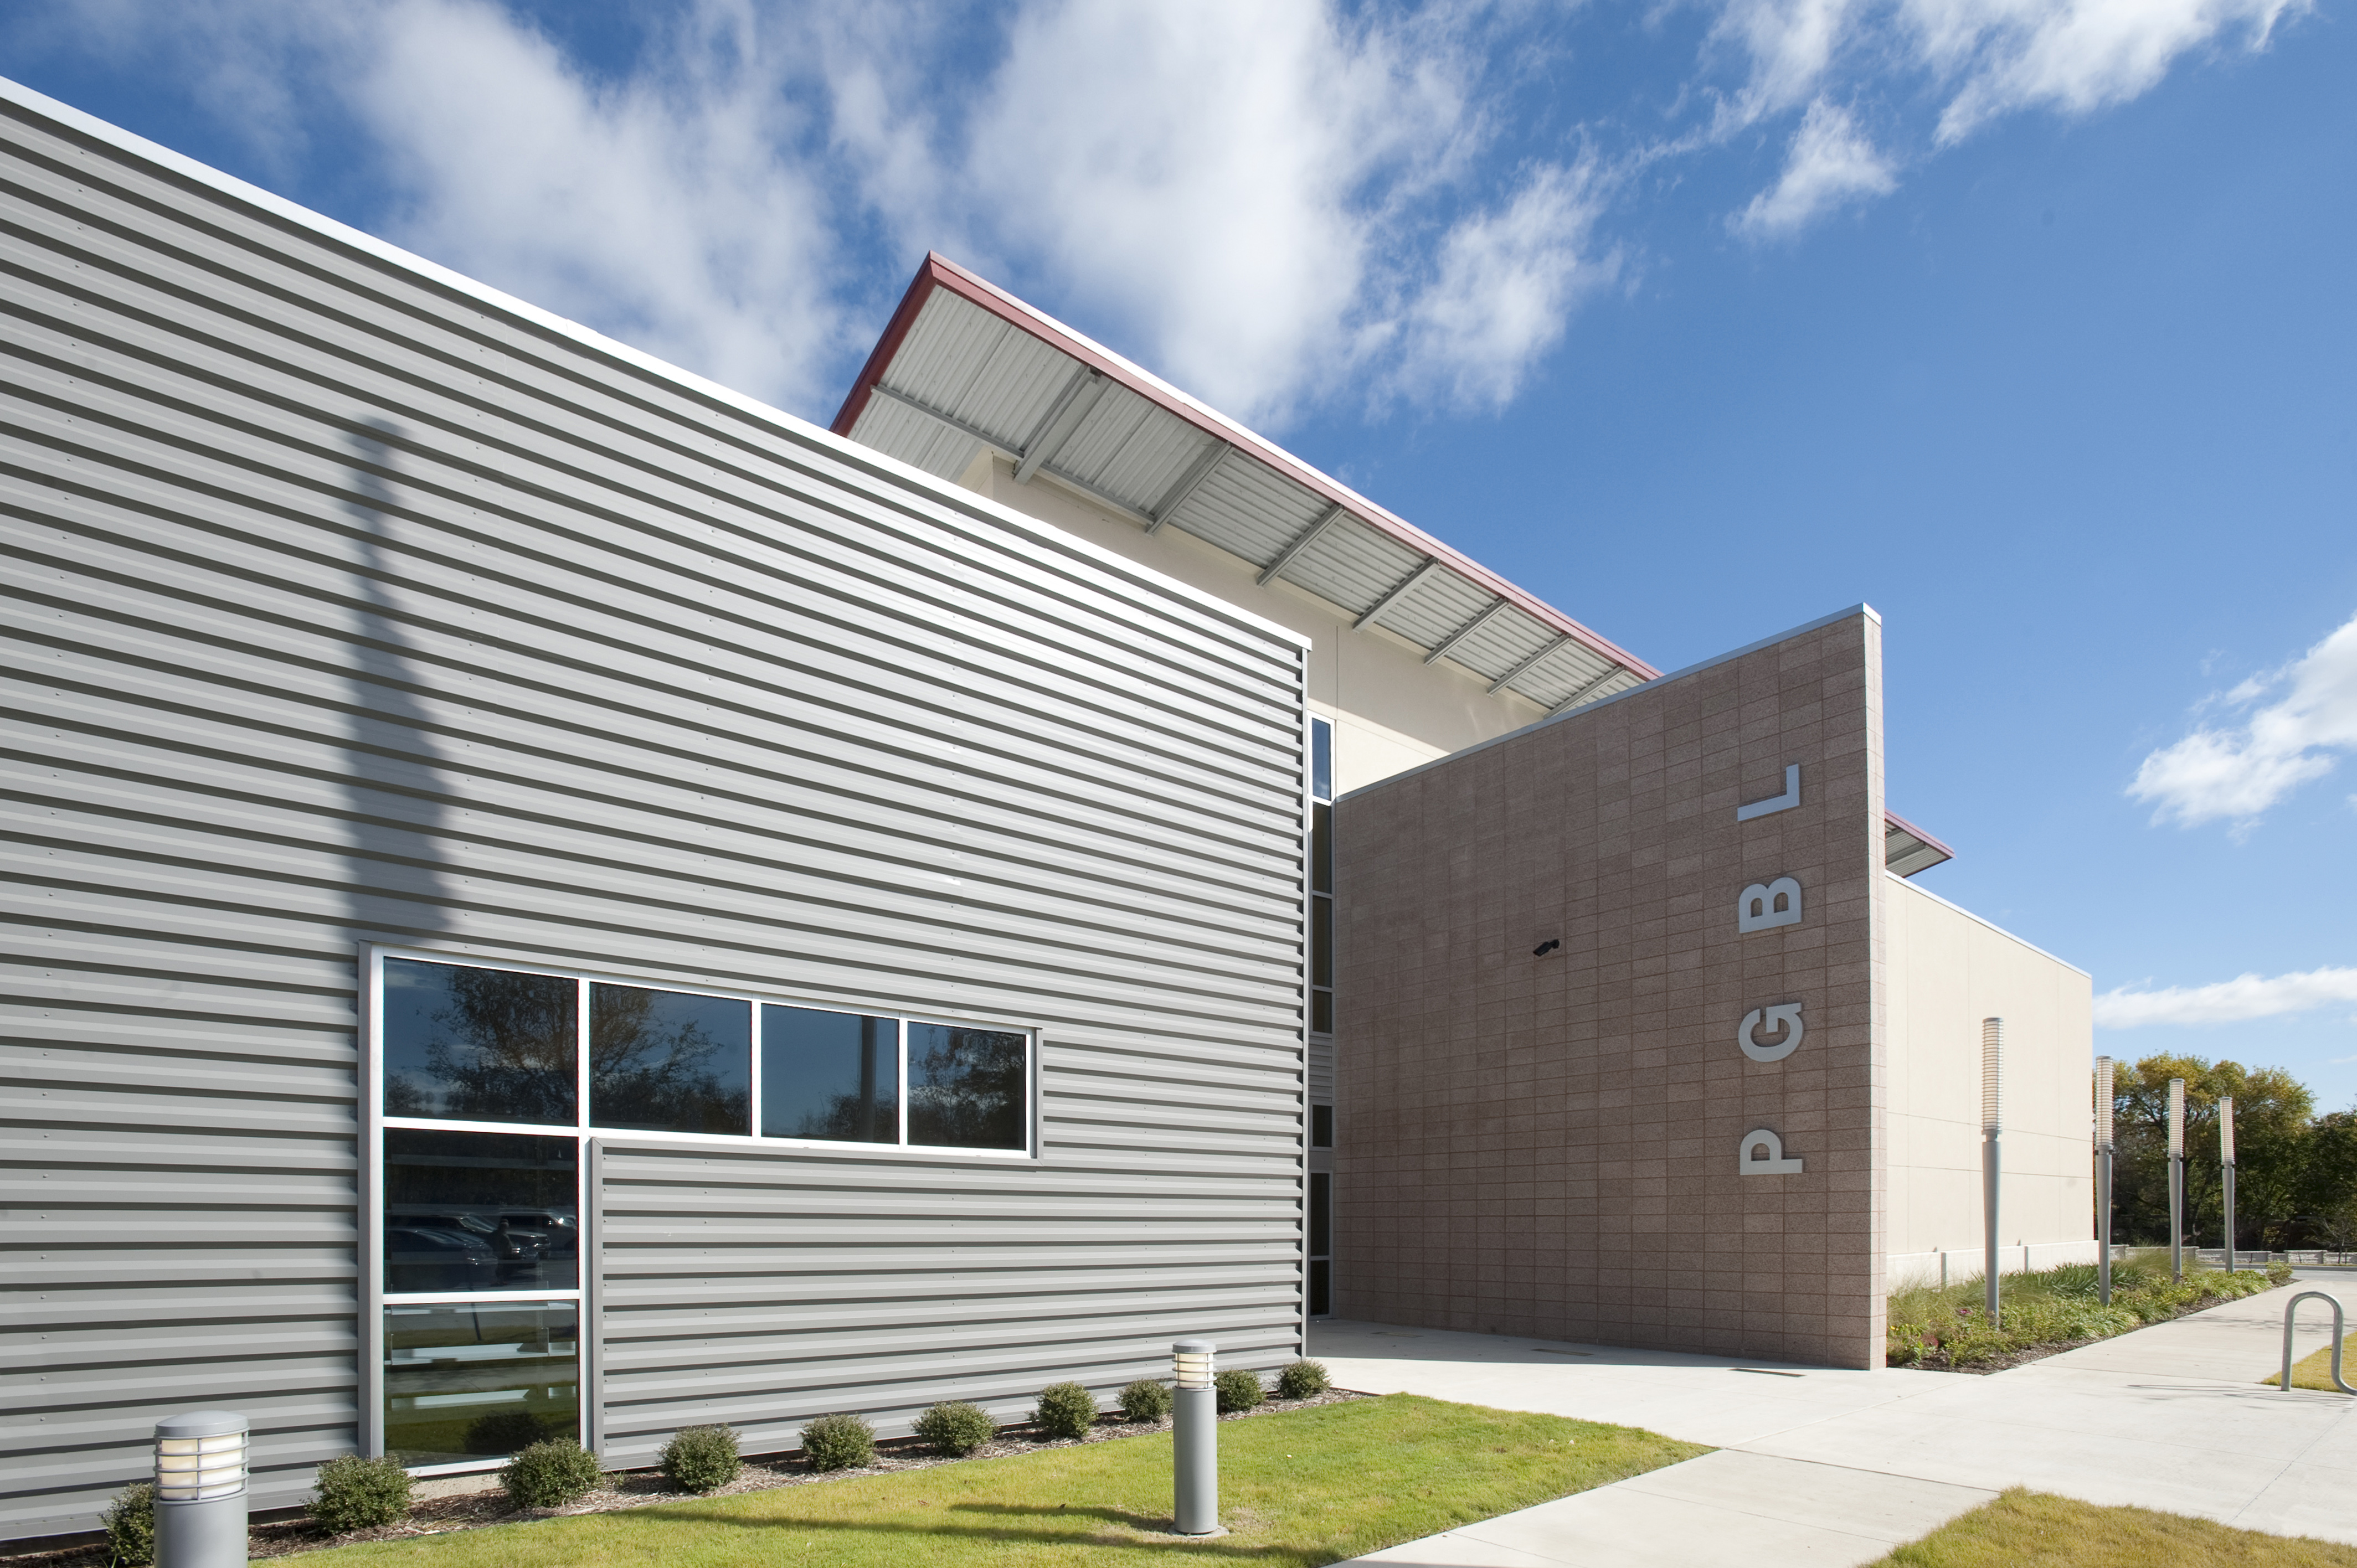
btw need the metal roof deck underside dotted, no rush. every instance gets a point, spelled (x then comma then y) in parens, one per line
(963, 377)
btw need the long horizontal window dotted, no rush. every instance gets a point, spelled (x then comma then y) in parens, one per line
(492, 1081)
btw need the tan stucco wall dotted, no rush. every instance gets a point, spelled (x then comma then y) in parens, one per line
(1946, 970)
(1390, 710)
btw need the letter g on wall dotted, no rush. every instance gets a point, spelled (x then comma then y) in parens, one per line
(1785, 1016)
(1764, 906)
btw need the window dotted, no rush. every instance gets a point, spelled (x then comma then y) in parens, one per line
(491, 1079)
(1321, 877)
(1321, 1244)
(1322, 1126)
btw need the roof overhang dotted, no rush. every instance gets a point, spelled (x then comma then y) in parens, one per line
(965, 365)
(1908, 849)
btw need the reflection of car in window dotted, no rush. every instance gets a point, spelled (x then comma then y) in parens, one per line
(427, 1257)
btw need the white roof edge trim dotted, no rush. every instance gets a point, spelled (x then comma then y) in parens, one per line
(1866, 610)
(1992, 925)
(855, 454)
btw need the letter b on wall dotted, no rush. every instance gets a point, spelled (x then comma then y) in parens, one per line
(1766, 905)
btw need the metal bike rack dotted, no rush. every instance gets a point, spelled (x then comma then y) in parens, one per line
(2291, 1310)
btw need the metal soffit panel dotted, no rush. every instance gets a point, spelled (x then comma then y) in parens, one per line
(965, 357)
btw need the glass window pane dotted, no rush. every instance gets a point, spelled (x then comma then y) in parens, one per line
(1322, 1288)
(830, 1075)
(474, 1382)
(1321, 1012)
(966, 1086)
(478, 1045)
(1322, 1126)
(670, 1062)
(1321, 849)
(479, 1212)
(1321, 759)
(1321, 942)
(1321, 1214)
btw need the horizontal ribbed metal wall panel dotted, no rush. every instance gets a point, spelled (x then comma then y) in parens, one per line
(348, 603)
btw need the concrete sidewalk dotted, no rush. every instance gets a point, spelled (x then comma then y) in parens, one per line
(1833, 1468)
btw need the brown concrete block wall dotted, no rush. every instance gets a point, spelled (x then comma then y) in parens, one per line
(1547, 1146)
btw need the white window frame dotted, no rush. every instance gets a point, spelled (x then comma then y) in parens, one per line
(589, 1141)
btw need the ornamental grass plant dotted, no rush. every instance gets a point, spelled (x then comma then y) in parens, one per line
(1948, 1326)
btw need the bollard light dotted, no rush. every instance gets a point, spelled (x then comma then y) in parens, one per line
(2104, 1070)
(1195, 1441)
(201, 1473)
(1992, 1122)
(2177, 1178)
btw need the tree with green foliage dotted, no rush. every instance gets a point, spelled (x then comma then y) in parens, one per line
(2272, 1137)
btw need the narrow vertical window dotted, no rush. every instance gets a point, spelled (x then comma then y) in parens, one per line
(1321, 877)
(1321, 1244)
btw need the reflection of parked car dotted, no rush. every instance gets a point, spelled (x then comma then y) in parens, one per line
(433, 1257)
(554, 1234)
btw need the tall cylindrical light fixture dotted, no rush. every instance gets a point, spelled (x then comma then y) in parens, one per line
(2227, 1168)
(2177, 1178)
(201, 1491)
(1991, 1122)
(1195, 1438)
(2104, 1072)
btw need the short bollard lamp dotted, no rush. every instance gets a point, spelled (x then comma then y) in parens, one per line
(2105, 1149)
(2177, 1178)
(1195, 1438)
(201, 1491)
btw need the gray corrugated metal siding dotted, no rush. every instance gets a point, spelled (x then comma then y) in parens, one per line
(347, 604)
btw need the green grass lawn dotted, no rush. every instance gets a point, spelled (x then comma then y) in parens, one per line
(2032, 1530)
(2315, 1370)
(1297, 1488)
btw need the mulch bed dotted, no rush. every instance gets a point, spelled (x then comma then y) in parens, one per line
(640, 1488)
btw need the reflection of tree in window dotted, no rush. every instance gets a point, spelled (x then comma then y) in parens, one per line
(966, 1086)
(668, 1061)
(478, 1045)
(830, 1075)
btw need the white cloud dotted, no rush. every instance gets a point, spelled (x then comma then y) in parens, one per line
(2227, 1002)
(2238, 772)
(1502, 291)
(1831, 163)
(1977, 60)
(2074, 56)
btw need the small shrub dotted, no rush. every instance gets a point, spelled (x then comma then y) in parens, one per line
(1145, 1400)
(549, 1474)
(1303, 1379)
(1237, 1389)
(508, 1432)
(1065, 1410)
(701, 1458)
(130, 1523)
(356, 1493)
(838, 1443)
(956, 1429)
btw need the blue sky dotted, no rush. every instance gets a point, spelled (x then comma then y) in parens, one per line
(2030, 322)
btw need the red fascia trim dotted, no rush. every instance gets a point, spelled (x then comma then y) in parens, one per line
(939, 272)
(1903, 825)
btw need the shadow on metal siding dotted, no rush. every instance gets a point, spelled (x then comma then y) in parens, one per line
(344, 606)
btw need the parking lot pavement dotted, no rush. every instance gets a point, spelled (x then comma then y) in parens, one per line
(1819, 1465)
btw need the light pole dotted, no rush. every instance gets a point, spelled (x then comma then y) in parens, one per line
(1195, 1441)
(2177, 1178)
(2226, 1167)
(1992, 1077)
(2103, 1070)
(200, 1480)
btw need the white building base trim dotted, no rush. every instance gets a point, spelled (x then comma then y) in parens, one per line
(1901, 1270)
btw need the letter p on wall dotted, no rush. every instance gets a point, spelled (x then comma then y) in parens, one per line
(1766, 905)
